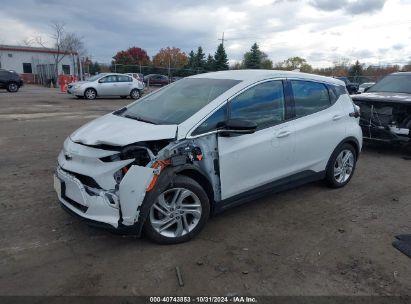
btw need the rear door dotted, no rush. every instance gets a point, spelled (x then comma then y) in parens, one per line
(251, 160)
(124, 84)
(319, 124)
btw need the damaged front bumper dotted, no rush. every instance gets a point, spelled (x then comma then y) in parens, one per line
(119, 206)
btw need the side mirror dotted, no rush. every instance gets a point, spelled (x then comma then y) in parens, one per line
(238, 126)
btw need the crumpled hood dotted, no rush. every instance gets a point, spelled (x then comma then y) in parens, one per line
(383, 97)
(115, 130)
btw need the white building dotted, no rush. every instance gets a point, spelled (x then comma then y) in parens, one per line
(36, 65)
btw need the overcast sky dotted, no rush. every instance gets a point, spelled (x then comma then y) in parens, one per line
(322, 31)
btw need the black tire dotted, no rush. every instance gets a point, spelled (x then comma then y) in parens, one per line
(90, 94)
(339, 181)
(135, 94)
(12, 87)
(123, 97)
(178, 181)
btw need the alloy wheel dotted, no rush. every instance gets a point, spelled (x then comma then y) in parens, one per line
(135, 94)
(343, 166)
(175, 212)
(90, 94)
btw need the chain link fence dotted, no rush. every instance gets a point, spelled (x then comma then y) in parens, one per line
(148, 69)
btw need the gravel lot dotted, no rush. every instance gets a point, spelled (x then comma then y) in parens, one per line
(307, 241)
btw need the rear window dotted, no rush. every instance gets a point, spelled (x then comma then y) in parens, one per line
(393, 84)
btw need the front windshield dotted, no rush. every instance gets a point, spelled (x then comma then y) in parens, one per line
(178, 101)
(95, 77)
(393, 84)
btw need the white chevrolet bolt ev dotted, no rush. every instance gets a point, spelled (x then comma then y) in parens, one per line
(165, 163)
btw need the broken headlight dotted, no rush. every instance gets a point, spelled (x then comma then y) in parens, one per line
(140, 154)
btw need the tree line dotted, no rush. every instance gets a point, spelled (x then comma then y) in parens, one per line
(174, 61)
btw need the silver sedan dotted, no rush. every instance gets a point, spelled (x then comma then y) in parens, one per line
(107, 84)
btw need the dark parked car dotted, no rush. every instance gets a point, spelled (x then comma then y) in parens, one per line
(10, 80)
(386, 109)
(156, 79)
(352, 87)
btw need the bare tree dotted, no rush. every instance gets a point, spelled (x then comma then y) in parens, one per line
(64, 43)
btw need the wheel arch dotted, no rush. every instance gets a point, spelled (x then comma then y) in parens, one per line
(187, 170)
(349, 140)
(353, 142)
(196, 174)
(88, 88)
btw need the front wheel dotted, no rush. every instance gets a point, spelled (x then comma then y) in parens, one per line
(341, 166)
(135, 94)
(178, 211)
(90, 94)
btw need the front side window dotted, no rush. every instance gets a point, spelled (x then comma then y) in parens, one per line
(215, 121)
(111, 78)
(263, 104)
(179, 101)
(309, 97)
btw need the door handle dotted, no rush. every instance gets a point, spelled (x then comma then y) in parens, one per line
(337, 117)
(283, 134)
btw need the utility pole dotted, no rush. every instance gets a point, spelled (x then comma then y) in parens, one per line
(222, 39)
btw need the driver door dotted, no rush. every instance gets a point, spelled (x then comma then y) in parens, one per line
(107, 86)
(252, 160)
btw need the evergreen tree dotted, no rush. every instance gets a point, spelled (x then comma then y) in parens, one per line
(252, 59)
(356, 71)
(95, 68)
(209, 66)
(199, 60)
(191, 60)
(220, 59)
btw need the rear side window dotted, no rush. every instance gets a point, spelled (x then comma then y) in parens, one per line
(122, 78)
(263, 104)
(309, 97)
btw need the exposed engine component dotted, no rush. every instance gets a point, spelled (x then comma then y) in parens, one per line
(385, 121)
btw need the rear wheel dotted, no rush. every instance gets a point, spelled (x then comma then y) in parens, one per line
(135, 94)
(178, 212)
(341, 166)
(12, 87)
(90, 94)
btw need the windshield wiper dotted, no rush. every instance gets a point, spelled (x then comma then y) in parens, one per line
(120, 111)
(139, 119)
